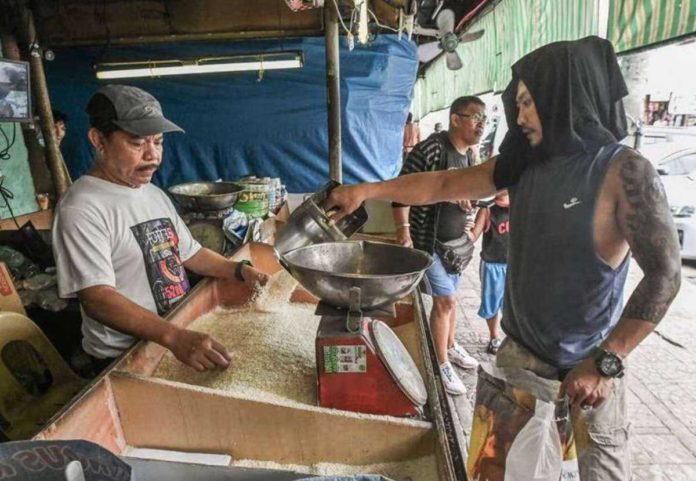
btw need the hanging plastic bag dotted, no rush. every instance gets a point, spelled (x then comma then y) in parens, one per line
(505, 404)
(536, 453)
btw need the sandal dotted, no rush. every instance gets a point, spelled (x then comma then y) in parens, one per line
(493, 346)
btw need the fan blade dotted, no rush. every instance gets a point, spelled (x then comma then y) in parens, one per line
(445, 21)
(428, 32)
(470, 37)
(428, 51)
(438, 7)
(453, 61)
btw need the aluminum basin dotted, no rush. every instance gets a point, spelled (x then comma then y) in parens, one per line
(309, 223)
(384, 272)
(206, 196)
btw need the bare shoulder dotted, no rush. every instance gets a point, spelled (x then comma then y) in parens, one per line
(635, 185)
(638, 191)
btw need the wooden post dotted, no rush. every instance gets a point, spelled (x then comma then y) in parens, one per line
(42, 102)
(333, 89)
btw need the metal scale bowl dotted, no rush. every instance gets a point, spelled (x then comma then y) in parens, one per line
(361, 364)
(357, 275)
(205, 205)
(206, 196)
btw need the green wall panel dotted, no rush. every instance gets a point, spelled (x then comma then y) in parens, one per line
(18, 178)
(639, 23)
(513, 29)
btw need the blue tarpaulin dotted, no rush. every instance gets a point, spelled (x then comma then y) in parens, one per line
(237, 124)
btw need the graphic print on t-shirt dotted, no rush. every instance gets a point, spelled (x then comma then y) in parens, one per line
(160, 245)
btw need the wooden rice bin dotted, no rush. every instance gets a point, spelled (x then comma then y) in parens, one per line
(129, 408)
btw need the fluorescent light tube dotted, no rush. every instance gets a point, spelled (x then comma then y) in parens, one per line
(162, 68)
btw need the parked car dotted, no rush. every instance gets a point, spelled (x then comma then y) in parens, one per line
(678, 174)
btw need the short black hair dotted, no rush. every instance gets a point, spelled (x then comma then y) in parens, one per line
(409, 118)
(102, 114)
(463, 102)
(59, 116)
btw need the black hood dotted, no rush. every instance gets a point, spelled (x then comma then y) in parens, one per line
(577, 88)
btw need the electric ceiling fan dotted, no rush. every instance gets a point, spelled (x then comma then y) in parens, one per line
(447, 40)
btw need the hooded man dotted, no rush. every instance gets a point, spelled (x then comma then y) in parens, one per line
(580, 204)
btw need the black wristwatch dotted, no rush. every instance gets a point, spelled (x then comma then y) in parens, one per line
(608, 363)
(240, 266)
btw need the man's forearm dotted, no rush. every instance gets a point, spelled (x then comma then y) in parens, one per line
(644, 310)
(432, 187)
(112, 309)
(211, 264)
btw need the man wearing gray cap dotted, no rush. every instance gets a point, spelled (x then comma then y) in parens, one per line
(120, 245)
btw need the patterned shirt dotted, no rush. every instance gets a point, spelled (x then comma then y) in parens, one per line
(427, 156)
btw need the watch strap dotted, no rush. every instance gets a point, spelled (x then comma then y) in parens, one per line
(240, 266)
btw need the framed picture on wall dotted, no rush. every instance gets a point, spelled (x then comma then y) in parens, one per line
(15, 91)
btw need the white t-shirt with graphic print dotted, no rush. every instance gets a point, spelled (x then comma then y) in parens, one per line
(129, 238)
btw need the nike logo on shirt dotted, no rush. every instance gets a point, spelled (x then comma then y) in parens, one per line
(572, 203)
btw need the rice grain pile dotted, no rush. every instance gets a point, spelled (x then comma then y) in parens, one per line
(273, 296)
(419, 469)
(272, 344)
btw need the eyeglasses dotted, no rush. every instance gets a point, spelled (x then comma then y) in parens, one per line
(476, 117)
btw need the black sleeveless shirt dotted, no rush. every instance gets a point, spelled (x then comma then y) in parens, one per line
(561, 298)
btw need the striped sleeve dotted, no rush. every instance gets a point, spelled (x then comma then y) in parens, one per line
(423, 158)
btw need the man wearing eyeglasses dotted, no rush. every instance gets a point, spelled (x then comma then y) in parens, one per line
(441, 229)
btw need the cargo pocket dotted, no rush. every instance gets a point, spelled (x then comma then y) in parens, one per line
(608, 457)
(609, 437)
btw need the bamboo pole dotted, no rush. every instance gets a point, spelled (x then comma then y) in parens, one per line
(54, 158)
(333, 88)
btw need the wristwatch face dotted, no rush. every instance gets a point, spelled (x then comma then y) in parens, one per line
(609, 364)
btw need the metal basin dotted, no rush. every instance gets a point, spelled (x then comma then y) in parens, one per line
(206, 196)
(384, 273)
(309, 223)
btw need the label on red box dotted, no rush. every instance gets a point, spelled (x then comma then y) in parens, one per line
(341, 359)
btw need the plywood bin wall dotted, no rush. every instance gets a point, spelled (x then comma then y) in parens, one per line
(166, 415)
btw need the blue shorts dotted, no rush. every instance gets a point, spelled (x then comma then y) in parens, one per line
(492, 288)
(441, 282)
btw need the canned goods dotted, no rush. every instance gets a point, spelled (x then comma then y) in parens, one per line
(253, 201)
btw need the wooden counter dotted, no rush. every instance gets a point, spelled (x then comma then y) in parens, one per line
(42, 220)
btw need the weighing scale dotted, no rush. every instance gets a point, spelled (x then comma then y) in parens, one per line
(362, 365)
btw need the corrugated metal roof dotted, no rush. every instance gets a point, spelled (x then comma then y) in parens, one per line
(516, 27)
(513, 29)
(639, 23)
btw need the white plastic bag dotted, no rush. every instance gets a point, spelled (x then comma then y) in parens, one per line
(536, 453)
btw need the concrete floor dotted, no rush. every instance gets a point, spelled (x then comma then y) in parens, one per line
(662, 381)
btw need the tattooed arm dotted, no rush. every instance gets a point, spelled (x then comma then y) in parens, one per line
(645, 223)
(644, 220)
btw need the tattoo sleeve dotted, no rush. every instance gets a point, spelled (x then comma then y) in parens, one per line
(647, 224)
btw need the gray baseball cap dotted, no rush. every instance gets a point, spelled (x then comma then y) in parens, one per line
(136, 111)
